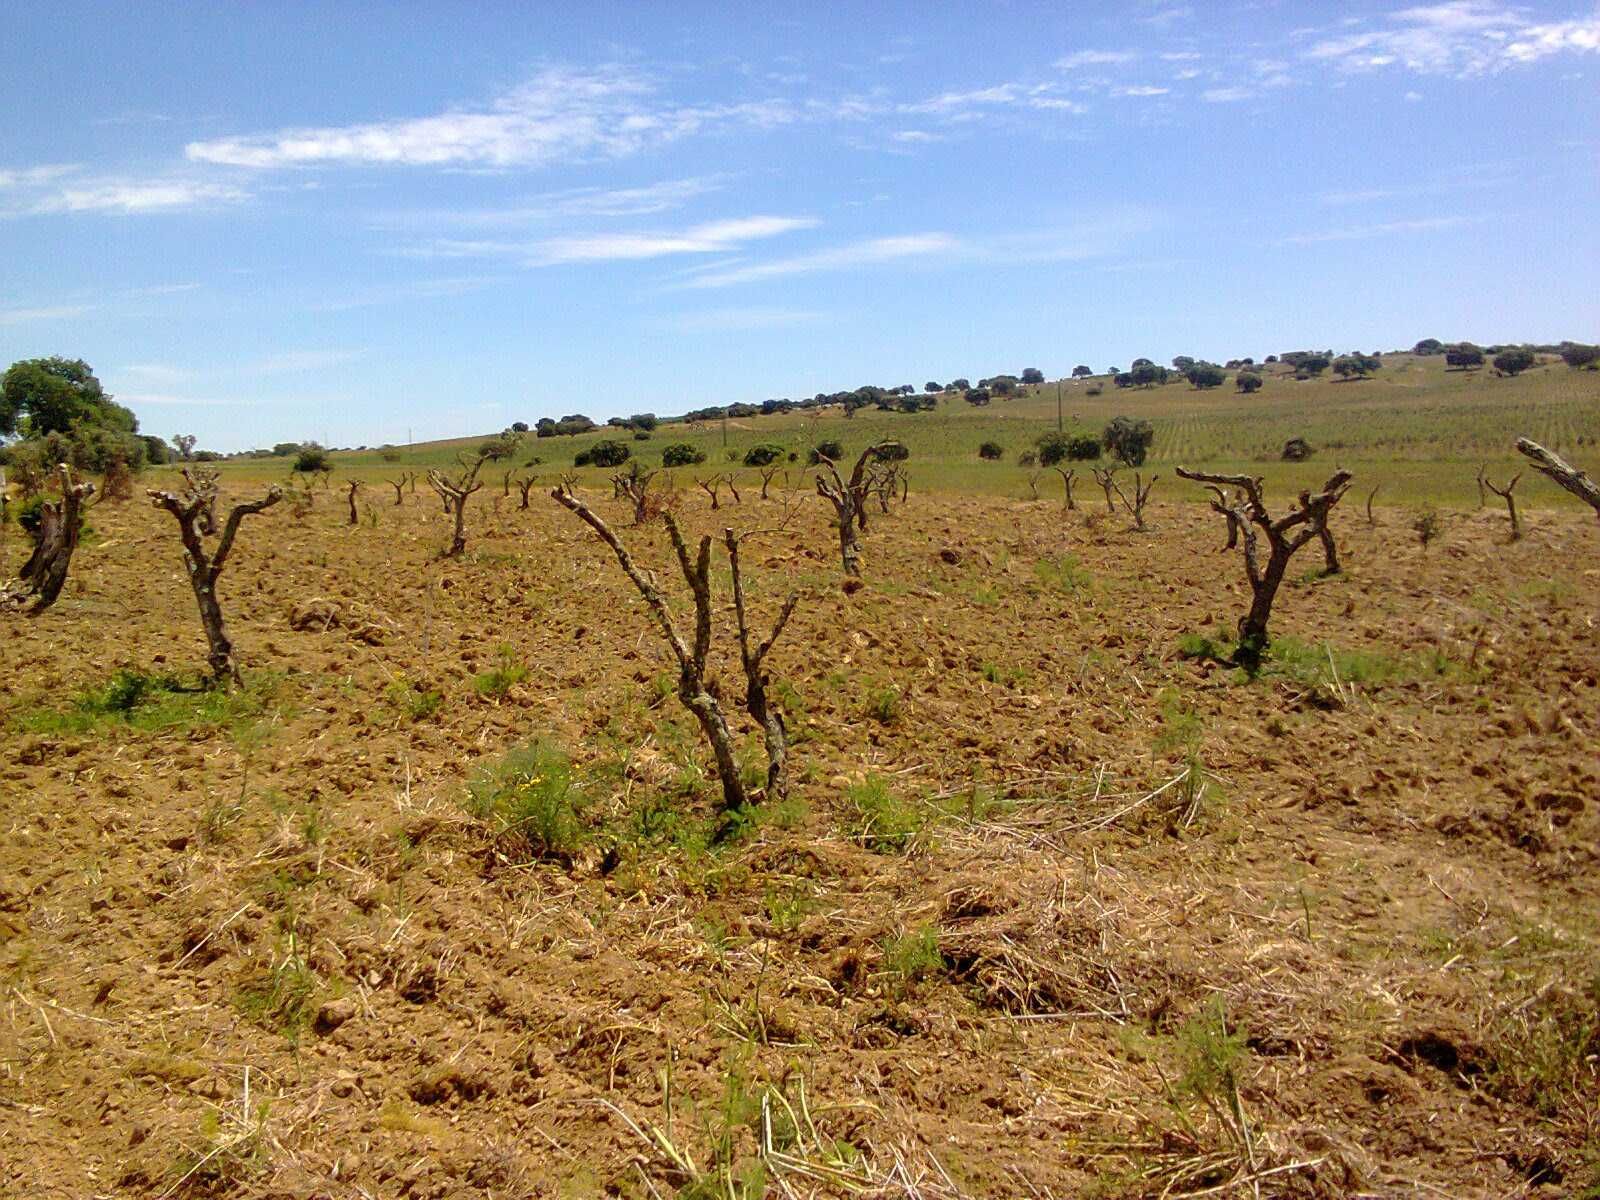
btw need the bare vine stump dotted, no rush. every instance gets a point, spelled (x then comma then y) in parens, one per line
(354, 486)
(453, 492)
(849, 502)
(692, 688)
(1284, 536)
(204, 566)
(1141, 495)
(1506, 494)
(42, 577)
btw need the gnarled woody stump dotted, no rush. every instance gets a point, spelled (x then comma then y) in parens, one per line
(693, 691)
(1284, 536)
(1547, 462)
(205, 566)
(43, 575)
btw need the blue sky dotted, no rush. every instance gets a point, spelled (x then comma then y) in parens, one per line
(347, 222)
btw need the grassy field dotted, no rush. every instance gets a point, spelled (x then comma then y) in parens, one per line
(1415, 430)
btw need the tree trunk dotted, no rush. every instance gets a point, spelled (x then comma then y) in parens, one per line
(458, 541)
(705, 708)
(1253, 637)
(223, 668)
(849, 547)
(1330, 552)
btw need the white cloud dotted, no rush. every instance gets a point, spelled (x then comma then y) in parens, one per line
(915, 137)
(1139, 90)
(857, 254)
(714, 237)
(1386, 229)
(1460, 38)
(21, 177)
(561, 115)
(1094, 58)
(1228, 95)
(59, 312)
(1534, 42)
(168, 400)
(136, 196)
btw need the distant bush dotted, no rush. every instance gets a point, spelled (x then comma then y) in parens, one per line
(1465, 357)
(1058, 447)
(1296, 450)
(1205, 375)
(830, 450)
(1247, 382)
(607, 452)
(891, 452)
(1514, 362)
(991, 451)
(1129, 439)
(1580, 356)
(977, 397)
(642, 435)
(763, 455)
(682, 454)
(312, 458)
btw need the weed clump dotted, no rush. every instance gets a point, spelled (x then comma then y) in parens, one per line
(879, 820)
(531, 802)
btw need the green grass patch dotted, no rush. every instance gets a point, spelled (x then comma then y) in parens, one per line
(1063, 573)
(532, 804)
(502, 677)
(880, 820)
(157, 703)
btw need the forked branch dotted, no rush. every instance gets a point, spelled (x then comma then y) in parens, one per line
(1547, 462)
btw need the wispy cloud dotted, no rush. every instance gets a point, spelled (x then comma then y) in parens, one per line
(562, 114)
(644, 200)
(856, 254)
(168, 400)
(1461, 38)
(1094, 236)
(1094, 58)
(1385, 229)
(713, 237)
(58, 312)
(128, 197)
(19, 177)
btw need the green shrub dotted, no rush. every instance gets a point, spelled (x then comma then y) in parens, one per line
(879, 821)
(682, 454)
(991, 451)
(502, 677)
(891, 452)
(830, 450)
(311, 459)
(1055, 447)
(607, 452)
(913, 956)
(763, 455)
(531, 802)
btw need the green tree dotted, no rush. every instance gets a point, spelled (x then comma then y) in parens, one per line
(681, 454)
(1032, 375)
(1247, 382)
(1128, 438)
(1514, 361)
(60, 399)
(1205, 375)
(1082, 372)
(1575, 354)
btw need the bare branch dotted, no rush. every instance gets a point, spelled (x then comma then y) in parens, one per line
(1549, 463)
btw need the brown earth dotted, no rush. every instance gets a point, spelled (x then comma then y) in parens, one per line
(273, 955)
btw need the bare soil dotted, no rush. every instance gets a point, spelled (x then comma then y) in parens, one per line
(1351, 949)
